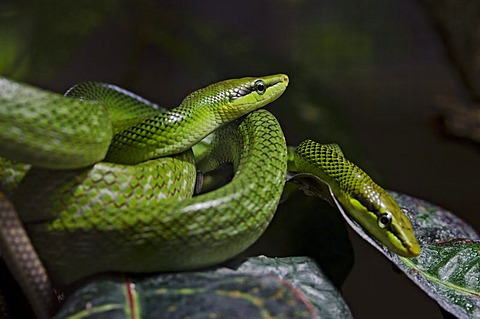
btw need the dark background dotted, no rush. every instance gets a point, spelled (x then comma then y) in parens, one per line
(363, 73)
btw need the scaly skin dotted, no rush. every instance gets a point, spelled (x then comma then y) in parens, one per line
(40, 132)
(48, 130)
(139, 218)
(134, 231)
(366, 202)
(199, 114)
(124, 108)
(23, 261)
(64, 211)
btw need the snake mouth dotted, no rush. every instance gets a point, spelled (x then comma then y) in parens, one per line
(276, 84)
(410, 247)
(273, 80)
(282, 78)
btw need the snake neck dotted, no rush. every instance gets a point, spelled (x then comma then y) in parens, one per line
(364, 200)
(200, 113)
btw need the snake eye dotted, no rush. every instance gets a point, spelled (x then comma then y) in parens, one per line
(259, 86)
(384, 220)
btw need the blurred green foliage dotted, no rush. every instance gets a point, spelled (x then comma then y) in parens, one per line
(157, 46)
(38, 37)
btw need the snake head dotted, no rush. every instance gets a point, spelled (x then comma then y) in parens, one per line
(231, 99)
(383, 219)
(362, 199)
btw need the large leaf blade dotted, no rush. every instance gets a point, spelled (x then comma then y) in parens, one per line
(260, 287)
(448, 269)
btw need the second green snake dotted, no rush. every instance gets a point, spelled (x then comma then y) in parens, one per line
(133, 212)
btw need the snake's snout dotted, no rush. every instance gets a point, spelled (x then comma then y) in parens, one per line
(285, 79)
(414, 250)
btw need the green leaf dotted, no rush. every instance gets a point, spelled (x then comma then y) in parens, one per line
(448, 269)
(304, 274)
(258, 288)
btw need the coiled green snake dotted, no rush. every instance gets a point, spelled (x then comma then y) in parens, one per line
(112, 179)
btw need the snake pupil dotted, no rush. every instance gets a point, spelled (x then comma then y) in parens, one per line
(384, 220)
(259, 86)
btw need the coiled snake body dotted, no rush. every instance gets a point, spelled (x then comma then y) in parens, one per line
(133, 212)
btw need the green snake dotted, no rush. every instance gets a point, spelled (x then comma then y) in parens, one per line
(102, 179)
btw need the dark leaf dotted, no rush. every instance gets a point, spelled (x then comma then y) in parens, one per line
(448, 269)
(259, 287)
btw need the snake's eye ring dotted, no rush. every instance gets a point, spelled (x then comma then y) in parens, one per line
(259, 86)
(384, 220)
